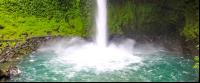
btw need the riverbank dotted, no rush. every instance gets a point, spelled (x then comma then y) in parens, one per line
(174, 43)
(59, 58)
(12, 54)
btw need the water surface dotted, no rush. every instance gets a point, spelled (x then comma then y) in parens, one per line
(153, 67)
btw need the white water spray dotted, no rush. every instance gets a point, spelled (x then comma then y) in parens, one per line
(98, 55)
(101, 24)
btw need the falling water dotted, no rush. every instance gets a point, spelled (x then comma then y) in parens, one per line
(101, 23)
(73, 60)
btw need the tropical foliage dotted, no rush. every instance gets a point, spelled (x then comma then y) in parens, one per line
(40, 17)
(196, 58)
(155, 17)
(76, 17)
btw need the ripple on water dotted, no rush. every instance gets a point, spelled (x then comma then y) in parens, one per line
(85, 63)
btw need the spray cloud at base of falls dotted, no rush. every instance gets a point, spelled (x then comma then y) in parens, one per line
(87, 55)
(96, 54)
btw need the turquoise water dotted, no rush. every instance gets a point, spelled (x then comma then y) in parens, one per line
(154, 67)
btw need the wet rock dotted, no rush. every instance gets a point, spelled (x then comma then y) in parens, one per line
(3, 54)
(16, 51)
(47, 38)
(116, 38)
(7, 45)
(17, 45)
(88, 39)
(23, 44)
(27, 48)
(10, 53)
(0, 52)
(8, 59)
(8, 71)
(2, 60)
(7, 51)
(10, 48)
(2, 75)
(190, 49)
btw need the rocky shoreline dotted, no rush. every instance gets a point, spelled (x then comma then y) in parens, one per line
(15, 53)
(18, 51)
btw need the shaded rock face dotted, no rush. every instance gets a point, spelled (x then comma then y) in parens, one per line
(189, 48)
(117, 38)
(7, 72)
(170, 42)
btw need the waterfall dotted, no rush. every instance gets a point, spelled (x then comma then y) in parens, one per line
(101, 24)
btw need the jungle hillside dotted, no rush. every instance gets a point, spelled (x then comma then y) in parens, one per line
(22, 18)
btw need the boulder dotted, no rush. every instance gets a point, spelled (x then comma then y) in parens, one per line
(47, 38)
(2, 60)
(7, 45)
(7, 72)
(2, 76)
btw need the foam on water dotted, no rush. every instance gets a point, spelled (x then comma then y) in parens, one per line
(52, 66)
(89, 55)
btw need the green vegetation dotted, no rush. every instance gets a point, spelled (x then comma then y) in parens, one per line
(76, 17)
(196, 64)
(43, 17)
(197, 47)
(22, 18)
(155, 17)
(191, 28)
(196, 58)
